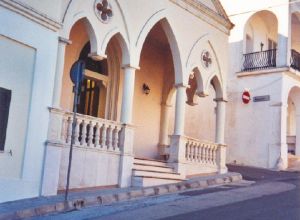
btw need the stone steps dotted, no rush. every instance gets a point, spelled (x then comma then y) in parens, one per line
(150, 162)
(148, 172)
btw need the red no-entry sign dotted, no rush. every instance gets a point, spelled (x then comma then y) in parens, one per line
(246, 97)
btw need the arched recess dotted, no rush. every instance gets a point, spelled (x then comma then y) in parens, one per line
(89, 27)
(124, 45)
(261, 32)
(79, 9)
(216, 83)
(293, 122)
(295, 42)
(102, 77)
(161, 17)
(157, 72)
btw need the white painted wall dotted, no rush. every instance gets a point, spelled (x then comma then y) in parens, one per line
(36, 70)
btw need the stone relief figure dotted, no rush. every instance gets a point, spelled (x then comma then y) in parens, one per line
(191, 90)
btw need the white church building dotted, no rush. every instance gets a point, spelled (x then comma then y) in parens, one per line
(153, 98)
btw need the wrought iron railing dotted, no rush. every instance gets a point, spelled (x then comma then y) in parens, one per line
(295, 60)
(259, 60)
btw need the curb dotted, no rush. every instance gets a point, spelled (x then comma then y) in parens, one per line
(95, 200)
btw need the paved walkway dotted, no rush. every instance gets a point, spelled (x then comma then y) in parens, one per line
(45, 205)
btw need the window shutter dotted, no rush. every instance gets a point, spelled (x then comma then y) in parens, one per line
(5, 98)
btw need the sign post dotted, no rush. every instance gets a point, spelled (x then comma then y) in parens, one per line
(76, 74)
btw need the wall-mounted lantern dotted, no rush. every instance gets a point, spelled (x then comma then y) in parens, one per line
(146, 89)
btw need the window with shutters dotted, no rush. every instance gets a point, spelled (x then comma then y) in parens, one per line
(5, 98)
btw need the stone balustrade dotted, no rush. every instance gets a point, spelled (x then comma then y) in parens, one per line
(90, 132)
(201, 152)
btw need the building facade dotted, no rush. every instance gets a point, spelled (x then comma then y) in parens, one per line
(264, 51)
(153, 93)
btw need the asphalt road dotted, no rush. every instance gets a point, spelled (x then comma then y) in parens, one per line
(274, 195)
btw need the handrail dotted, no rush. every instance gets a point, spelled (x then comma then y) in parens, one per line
(259, 60)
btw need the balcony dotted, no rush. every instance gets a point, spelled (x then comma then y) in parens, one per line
(259, 60)
(295, 60)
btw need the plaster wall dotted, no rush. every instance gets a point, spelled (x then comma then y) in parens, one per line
(90, 168)
(147, 108)
(32, 51)
(16, 75)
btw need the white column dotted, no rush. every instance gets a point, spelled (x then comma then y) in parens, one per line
(284, 39)
(297, 145)
(164, 126)
(220, 121)
(128, 94)
(180, 110)
(220, 135)
(164, 129)
(127, 133)
(62, 42)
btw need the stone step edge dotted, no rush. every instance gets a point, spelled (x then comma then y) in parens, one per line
(155, 171)
(150, 165)
(79, 203)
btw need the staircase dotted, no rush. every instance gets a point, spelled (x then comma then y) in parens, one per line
(148, 172)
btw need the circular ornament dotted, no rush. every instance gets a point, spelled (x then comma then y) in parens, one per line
(103, 10)
(206, 59)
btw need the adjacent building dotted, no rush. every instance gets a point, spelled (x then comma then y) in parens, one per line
(264, 64)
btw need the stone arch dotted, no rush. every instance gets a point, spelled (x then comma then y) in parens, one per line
(194, 58)
(217, 85)
(115, 33)
(90, 28)
(294, 95)
(261, 19)
(160, 16)
(293, 119)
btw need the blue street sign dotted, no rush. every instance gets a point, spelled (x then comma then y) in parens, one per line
(77, 72)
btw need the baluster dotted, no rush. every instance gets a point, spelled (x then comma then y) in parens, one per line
(103, 136)
(116, 138)
(83, 133)
(190, 151)
(198, 153)
(97, 135)
(202, 153)
(90, 134)
(205, 153)
(211, 154)
(63, 133)
(186, 150)
(76, 132)
(109, 138)
(215, 154)
(69, 130)
(195, 152)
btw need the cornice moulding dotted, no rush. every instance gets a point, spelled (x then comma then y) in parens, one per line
(31, 13)
(219, 20)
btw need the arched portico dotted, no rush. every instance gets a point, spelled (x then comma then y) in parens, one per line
(293, 120)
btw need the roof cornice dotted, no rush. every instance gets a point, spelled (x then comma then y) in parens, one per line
(31, 13)
(199, 9)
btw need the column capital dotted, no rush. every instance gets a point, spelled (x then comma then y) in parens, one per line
(181, 85)
(166, 105)
(97, 57)
(202, 94)
(129, 66)
(220, 100)
(64, 40)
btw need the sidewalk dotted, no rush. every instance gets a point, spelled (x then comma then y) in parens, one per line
(45, 205)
